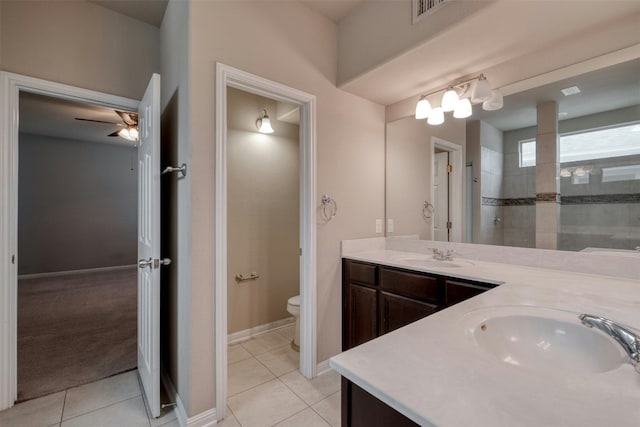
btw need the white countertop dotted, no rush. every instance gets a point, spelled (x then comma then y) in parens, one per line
(433, 372)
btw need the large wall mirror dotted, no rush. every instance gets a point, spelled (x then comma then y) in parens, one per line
(488, 194)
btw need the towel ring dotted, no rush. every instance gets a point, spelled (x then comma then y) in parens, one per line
(427, 211)
(329, 207)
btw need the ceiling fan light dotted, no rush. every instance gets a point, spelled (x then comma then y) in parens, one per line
(481, 90)
(133, 133)
(436, 117)
(423, 107)
(495, 102)
(463, 109)
(450, 100)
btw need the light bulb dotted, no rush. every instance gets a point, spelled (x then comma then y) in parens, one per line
(436, 117)
(481, 90)
(264, 124)
(450, 100)
(423, 107)
(133, 133)
(463, 109)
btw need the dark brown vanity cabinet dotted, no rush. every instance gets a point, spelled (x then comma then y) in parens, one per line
(377, 299)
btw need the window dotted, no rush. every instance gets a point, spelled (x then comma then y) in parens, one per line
(527, 153)
(595, 144)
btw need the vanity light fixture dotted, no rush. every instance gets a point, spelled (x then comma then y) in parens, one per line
(463, 109)
(423, 108)
(481, 90)
(264, 123)
(459, 98)
(450, 99)
(436, 117)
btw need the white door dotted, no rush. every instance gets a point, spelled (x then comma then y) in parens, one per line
(441, 196)
(149, 244)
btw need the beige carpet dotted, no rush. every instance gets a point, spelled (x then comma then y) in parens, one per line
(75, 329)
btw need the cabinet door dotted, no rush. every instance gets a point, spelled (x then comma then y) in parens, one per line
(362, 321)
(397, 311)
(456, 291)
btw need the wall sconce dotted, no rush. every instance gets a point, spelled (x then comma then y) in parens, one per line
(264, 123)
(459, 98)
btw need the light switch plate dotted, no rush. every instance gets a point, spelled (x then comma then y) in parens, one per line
(378, 226)
(389, 226)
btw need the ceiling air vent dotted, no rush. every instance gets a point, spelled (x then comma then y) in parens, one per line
(422, 8)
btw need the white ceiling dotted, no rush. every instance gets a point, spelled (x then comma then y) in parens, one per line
(149, 11)
(335, 10)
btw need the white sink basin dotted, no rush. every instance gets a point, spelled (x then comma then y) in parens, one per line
(542, 339)
(429, 262)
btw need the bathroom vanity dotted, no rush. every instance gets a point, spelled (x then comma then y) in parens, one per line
(425, 344)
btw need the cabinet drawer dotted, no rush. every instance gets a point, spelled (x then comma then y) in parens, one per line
(456, 291)
(362, 273)
(412, 285)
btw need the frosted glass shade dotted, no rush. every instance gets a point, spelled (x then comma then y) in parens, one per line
(494, 103)
(463, 109)
(436, 117)
(481, 90)
(450, 100)
(423, 107)
(264, 123)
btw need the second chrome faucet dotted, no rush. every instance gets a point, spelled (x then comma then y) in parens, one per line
(625, 337)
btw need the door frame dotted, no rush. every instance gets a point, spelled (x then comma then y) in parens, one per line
(10, 87)
(455, 185)
(233, 77)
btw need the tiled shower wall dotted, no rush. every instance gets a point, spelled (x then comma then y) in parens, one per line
(597, 214)
(519, 193)
(600, 214)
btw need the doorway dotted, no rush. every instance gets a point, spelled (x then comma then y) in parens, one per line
(77, 228)
(446, 190)
(229, 77)
(12, 86)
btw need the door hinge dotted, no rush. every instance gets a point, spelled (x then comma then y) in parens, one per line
(13, 259)
(449, 225)
(300, 251)
(449, 168)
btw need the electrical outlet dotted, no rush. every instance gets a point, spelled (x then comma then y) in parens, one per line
(378, 226)
(389, 226)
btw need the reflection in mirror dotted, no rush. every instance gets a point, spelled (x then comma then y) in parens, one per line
(585, 193)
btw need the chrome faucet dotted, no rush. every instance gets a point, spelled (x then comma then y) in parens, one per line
(442, 255)
(627, 339)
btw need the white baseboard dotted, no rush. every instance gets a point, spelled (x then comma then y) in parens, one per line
(72, 272)
(204, 419)
(248, 333)
(323, 368)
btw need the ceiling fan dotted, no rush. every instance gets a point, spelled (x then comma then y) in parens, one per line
(129, 125)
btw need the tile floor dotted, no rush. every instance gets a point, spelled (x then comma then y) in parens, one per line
(264, 389)
(113, 401)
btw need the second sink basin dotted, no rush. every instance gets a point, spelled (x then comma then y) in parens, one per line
(432, 263)
(542, 339)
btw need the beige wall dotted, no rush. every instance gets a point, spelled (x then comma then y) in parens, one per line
(263, 212)
(80, 44)
(288, 43)
(409, 160)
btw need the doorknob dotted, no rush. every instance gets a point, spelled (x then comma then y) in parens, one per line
(158, 262)
(144, 263)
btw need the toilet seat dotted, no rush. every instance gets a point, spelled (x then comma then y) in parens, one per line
(294, 301)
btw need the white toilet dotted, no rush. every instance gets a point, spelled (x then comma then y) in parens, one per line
(293, 307)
